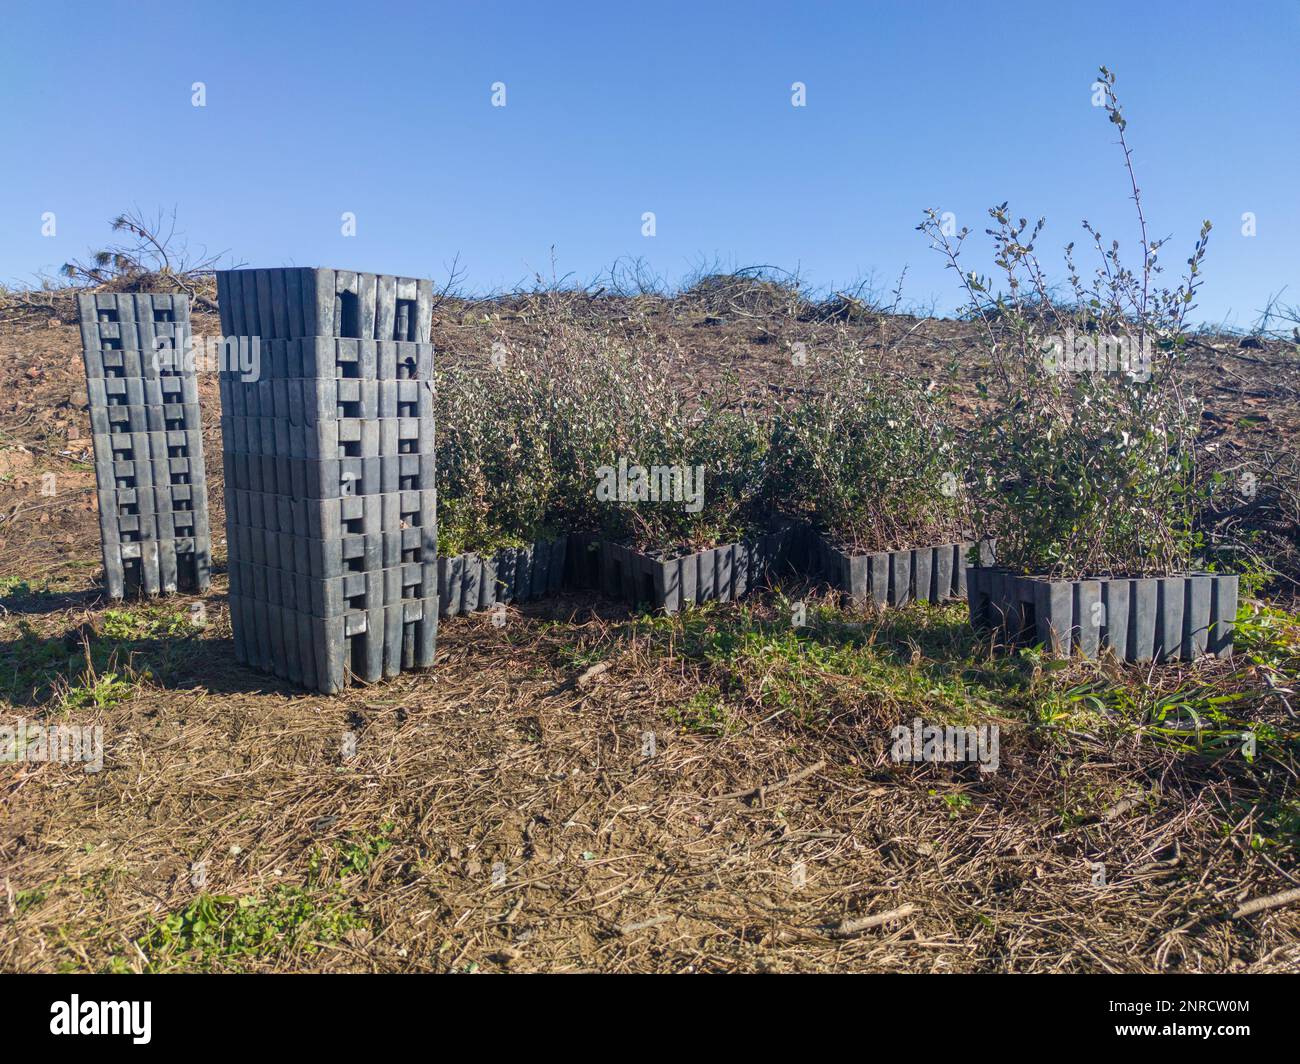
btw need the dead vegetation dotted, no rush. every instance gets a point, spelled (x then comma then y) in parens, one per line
(504, 812)
(498, 814)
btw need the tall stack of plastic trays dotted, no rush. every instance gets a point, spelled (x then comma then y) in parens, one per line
(144, 418)
(328, 449)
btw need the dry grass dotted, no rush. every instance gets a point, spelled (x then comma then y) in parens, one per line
(515, 820)
(497, 814)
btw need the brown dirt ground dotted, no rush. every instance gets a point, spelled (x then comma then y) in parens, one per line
(498, 759)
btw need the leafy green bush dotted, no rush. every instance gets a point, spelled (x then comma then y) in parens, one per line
(1084, 451)
(614, 406)
(604, 396)
(719, 456)
(870, 458)
(527, 443)
(495, 479)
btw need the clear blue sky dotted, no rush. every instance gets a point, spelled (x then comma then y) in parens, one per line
(614, 109)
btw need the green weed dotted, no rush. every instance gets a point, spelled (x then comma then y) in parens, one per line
(147, 622)
(98, 692)
(223, 931)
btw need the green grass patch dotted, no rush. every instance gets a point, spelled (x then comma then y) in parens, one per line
(705, 713)
(147, 622)
(358, 854)
(20, 591)
(925, 661)
(32, 664)
(916, 662)
(132, 643)
(98, 692)
(223, 932)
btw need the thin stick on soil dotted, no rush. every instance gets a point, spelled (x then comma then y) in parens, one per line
(764, 788)
(1271, 901)
(866, 923)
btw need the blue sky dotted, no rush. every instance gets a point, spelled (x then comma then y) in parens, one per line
(683, 109)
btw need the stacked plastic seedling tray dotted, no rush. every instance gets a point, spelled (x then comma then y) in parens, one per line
(144, 417)
(328, 447)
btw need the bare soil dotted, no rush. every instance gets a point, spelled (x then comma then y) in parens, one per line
(504, 811)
